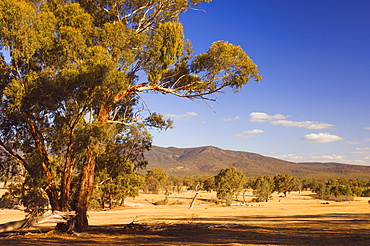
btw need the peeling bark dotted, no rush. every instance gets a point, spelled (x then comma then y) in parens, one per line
(86, 185)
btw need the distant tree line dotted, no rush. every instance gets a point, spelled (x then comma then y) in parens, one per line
(229, 183)
(113, 184)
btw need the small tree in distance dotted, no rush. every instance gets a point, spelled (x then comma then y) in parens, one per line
(228, 183)
(207, 182)
(263, 187)
(157, 180)
(285, 183)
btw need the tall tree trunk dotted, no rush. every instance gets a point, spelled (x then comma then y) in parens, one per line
(51, 190)
(122, 203)
(65, 189)
(85, 188)
(110, 201)
(65, 194)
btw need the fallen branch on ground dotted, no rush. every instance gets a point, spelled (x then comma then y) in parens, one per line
(53, 217)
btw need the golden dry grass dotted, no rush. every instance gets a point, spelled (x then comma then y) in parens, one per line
(295, 220)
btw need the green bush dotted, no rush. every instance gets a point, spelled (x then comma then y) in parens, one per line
(94, 204)
(366, 192)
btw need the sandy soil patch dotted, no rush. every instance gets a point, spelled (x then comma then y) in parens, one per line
(295, 220)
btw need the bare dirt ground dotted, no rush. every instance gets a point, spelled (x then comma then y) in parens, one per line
(295, 220)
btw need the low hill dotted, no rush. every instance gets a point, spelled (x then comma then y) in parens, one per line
(210, 160)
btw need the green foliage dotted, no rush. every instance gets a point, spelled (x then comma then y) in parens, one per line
(207, 182)
(227, 62)
(229, 182)
(263, 188)
(177, 183)
(159, 173)
(115, 175)
(152, 185)
(365, 192)
(339, 189)
(10, 171)
(9, 201)
(113, 191)
(70, 96)
(29, 195)
(285, 183)
(157, 180)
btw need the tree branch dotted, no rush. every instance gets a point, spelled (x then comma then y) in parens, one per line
(12, 154)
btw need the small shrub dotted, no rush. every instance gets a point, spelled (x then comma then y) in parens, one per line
(161, 202)
(340, 198)
(215, 201)
(94, 205)
(261, 199)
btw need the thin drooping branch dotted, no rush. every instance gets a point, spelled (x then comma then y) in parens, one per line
(9, 152)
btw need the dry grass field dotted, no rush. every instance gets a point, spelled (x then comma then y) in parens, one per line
(295, 220)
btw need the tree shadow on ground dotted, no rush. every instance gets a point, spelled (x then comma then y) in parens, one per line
(328, 229)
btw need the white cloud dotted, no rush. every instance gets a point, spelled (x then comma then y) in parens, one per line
(367, 128)
(358, 142)
(357, 152)
(325, 158)
(304, 124)
(312, 158)
(263, 117)
(367, 148)
(279, 119)
(328, 158)
(321, 138)
(290, 157)
(230, 147)
(186, 116)
(353, 142)
(231, 119)
(249, 134)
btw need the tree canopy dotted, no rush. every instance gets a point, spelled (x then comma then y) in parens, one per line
(263, 187)
(71, 90)
(229, 182)
(285, 183)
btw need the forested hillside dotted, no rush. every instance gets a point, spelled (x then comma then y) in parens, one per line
(210, 160)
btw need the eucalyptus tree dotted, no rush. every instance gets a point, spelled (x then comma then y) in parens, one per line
(263, 187)
(78, 67)
(229, 182)
(285, 183)
(157, 180)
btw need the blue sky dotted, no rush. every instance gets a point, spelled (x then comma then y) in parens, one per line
(313, 103)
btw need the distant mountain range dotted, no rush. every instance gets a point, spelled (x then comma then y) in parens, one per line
(210, 160)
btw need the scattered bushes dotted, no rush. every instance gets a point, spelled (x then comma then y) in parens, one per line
(340, 198)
